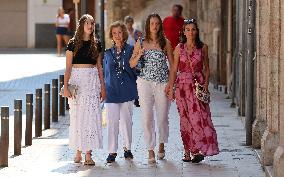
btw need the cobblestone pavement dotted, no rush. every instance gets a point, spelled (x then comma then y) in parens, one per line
(50, 156)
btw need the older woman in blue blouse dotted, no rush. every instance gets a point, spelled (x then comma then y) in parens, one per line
(121, 90)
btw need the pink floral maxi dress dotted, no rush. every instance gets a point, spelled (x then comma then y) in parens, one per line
(196, 127)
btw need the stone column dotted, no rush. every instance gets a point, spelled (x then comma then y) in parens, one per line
(262, 36)
(229, 46)
(278, 162)
(270, 138)
(241, 57)
(208, 17)
(190, 10)
(223, 43)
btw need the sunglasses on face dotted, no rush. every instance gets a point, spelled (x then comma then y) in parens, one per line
(189, 21)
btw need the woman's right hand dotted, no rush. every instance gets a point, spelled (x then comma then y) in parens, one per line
(140, 53)
(67, 93)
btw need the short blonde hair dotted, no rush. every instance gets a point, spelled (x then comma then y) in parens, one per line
(122, 26)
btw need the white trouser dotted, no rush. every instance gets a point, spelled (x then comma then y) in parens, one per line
(119, 117)
(152, 95)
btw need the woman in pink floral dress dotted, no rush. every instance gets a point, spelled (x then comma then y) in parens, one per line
(196, 127)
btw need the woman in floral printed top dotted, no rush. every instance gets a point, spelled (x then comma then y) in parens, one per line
(151, 83)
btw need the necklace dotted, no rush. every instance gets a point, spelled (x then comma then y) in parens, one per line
(119, 62)
(155, 44)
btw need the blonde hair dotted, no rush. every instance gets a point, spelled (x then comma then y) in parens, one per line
(122, 26)
(58, 11)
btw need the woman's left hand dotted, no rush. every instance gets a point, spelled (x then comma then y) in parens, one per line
(171, 95)
(169, 92)
(103, 94)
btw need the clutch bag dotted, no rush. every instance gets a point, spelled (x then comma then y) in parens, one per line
(72, 89)
(201, 93)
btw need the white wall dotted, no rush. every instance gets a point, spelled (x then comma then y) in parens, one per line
(40, 11)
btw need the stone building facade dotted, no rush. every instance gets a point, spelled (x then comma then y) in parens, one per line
(268, 128)
(30, 23)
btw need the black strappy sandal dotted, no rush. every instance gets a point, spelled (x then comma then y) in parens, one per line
(128, 154)
(187, 157)
(197, 158)
(111, 158)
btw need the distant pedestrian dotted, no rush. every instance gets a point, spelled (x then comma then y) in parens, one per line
(84, 70)
(133, 36)
(62, 25)
(173, 24)
(151, 83)
(190, 59)
(121, 90)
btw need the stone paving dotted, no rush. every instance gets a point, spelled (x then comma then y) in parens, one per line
(50, 156)
(23, 73)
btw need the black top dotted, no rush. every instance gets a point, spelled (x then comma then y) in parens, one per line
(83, 56)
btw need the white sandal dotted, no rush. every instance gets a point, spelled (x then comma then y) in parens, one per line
(77, 159)
(161, 155)
(152, 160)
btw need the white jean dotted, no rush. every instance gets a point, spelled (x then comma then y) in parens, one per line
(119, 118)
(151, 94)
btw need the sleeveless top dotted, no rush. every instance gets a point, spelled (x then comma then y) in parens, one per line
(185, 72)
(155, 66)
(63, 22)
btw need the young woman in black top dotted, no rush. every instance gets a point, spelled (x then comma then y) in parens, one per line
(84, 69)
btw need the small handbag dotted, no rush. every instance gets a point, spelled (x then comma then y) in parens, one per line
(72, 89)
(201, 93)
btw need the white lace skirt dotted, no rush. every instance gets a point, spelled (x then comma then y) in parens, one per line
(85, 132)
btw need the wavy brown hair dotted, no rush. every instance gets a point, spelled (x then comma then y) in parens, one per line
(161, 37)
(78, 37)
(198, 42)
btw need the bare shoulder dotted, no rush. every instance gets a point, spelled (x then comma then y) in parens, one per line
(168, 43)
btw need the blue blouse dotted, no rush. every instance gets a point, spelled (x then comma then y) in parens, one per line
(120, 79)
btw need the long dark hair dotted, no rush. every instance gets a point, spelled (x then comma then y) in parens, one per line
(78, 37)
(161, 36)
(199, 44)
